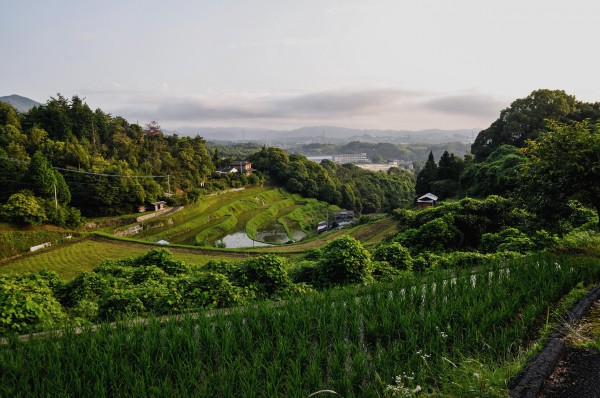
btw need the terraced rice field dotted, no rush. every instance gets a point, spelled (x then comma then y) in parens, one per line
(247, 211)
(71, 260)
(255, 211)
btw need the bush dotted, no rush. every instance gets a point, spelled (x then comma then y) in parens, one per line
(119, 303)
(383, 271)
(266, 275)
(219, 266)
(305, 271)
(23, 208)
(436, 235)
(344, 261)
(208, 290)
(27, 303)
(394, 254)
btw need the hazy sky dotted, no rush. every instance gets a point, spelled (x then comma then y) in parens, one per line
(388, 64)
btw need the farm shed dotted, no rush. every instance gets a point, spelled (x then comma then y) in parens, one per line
(160, 205)
(343, 216)
(427, 200)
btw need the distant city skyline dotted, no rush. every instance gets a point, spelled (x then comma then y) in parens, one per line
(378, 64)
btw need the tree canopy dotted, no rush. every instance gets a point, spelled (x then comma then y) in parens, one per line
(564, 163)
(526, 117)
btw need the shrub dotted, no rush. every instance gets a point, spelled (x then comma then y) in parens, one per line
(266, 274)
(119, 303)
(394, 254)
(208, 290)
(84, 287)
(344, 261)
(23, 208)
(383, 271)
(219, 266)
(509, 239)
(27, 304)
(305, 272)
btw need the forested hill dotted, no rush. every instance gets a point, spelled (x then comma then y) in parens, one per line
(526, 117)
(62, 157)
(69, 135)
(542, 152)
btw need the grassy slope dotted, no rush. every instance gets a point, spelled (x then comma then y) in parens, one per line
(71, 260)
(74, 258)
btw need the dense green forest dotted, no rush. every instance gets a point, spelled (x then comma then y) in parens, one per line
(542, 152)
(62, 159)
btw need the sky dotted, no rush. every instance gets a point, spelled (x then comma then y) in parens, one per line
(284, 64)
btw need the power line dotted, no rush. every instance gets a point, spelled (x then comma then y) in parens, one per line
(90, 172)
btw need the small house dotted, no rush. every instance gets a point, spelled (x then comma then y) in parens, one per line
(242, 166)
(427, 200)
(226, 170)
(343, 217)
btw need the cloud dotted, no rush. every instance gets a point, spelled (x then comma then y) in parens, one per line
(340, 103)
(361, 108)
(474, 105)
(318, 105)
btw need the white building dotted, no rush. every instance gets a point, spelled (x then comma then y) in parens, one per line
(350, 158)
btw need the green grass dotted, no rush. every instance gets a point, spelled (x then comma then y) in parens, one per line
(71, 260)
(16, 242)
(445, 334)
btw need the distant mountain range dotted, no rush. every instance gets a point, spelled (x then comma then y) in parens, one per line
(22, 104)
(303, 135)
(327, 134)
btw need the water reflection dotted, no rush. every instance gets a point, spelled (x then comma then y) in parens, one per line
(239, 240)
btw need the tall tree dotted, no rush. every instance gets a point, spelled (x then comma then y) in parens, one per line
(426, 176)
(565, 162)
(523, 120)
(41, 176)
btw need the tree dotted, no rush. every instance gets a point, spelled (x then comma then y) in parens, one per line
(426, 176)
(8, 115)
(449, 167)
(23, 208)
(41, 175)
(496, 175)
(153, 129)
(523, 120)
(565, 163)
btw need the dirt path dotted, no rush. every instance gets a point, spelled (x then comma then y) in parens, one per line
(577, 374)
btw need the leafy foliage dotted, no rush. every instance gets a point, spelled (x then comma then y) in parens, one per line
(345, 261)
(346, 185)
(27, 302)
(564, 164)
(524, 120)
(23, 208)
(394, 254)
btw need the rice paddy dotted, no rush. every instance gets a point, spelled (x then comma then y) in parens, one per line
(363, 341)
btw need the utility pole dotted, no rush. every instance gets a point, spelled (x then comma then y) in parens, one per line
(169, 183)
(55, 198)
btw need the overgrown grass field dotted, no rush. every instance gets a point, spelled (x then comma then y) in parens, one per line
(376, 340)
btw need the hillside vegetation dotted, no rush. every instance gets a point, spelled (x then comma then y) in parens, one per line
(440, 301)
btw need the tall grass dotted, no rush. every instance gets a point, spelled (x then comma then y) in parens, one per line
(347, 340)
